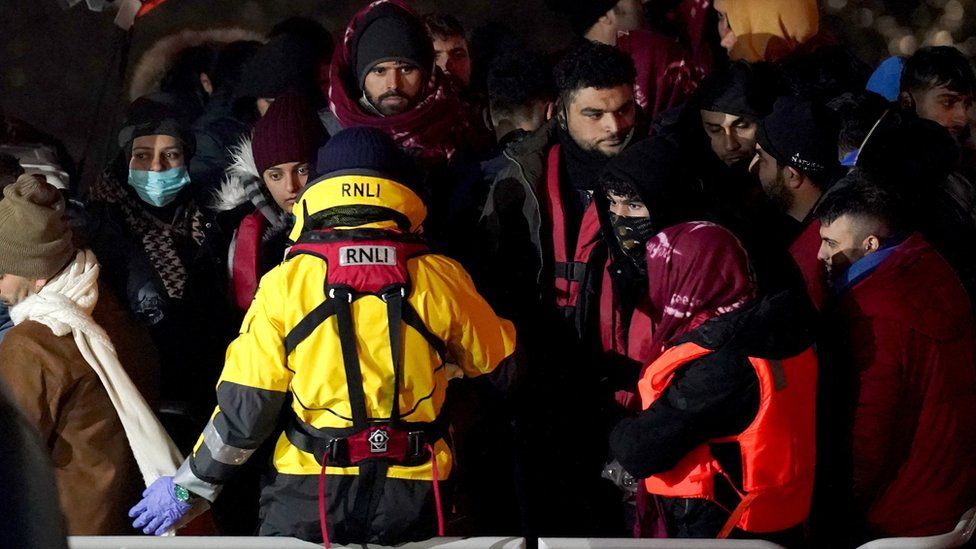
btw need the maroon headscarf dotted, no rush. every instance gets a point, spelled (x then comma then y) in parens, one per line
(666, 76)
(696, 271)
(432, 130)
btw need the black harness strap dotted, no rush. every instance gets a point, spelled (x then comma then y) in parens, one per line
(394, 315)
(308, 324)
(350, 357)
(412, 319)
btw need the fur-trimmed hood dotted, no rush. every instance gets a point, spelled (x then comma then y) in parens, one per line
(242, 171)
(159, 57)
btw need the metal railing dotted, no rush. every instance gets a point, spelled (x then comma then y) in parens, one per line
(218, 542)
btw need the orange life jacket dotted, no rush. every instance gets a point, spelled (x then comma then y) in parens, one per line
(778, 448)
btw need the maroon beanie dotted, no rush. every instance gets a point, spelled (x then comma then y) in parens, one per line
(289, 132)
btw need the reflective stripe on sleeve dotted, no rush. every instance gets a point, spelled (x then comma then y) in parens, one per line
(221, 451)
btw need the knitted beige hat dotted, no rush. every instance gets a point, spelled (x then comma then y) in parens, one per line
(35, 240)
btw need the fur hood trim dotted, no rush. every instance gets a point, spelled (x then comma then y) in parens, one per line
(159, 57)
(242, 170)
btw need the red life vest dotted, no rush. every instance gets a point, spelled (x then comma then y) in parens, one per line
(247, 250)
(568, 273)
(778, 448)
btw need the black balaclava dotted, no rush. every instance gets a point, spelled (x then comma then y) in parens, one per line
(656, 170)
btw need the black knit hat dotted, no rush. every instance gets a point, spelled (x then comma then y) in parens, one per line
(801, 134)
(360, 150)
(741, 89)
(389, 33)
(156, 114)
(582, 14)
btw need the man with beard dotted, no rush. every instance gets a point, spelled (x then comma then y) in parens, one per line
(532, 241)
(796, 161)
(717, 130)
(451, 50)
(900, 347)
(384, 76)
(539, 237)
(665, 75)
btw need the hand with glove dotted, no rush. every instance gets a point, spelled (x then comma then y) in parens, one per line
(159, 509)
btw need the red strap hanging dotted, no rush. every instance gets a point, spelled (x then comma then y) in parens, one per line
(148, 6)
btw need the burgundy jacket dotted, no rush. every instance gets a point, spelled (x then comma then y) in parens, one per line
(912, 346)
(804, 252)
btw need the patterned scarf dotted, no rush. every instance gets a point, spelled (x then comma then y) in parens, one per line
(696, 271)
(162, 240)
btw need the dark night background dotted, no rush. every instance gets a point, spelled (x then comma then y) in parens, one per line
(57, 63)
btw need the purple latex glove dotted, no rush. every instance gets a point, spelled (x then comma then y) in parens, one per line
(159, 509)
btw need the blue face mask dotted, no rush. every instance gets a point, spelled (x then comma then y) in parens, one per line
(159, 188)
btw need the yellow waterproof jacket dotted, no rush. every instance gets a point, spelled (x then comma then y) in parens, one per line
(257, 377)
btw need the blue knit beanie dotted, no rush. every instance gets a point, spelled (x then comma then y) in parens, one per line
(365, 151)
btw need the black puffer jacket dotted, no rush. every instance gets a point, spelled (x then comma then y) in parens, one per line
(712, 397)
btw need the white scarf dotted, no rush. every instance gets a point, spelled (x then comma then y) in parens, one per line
(65, 305)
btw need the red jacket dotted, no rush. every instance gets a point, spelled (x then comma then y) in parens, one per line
(913, 347)
(804, 251)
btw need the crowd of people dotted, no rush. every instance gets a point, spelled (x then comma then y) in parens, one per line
(701, 273)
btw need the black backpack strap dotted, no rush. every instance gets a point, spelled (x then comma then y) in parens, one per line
(308, 325)
(394, 298)
(350, 357)
(412, 319)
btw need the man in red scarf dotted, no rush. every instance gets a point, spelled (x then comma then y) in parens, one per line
(383, 76)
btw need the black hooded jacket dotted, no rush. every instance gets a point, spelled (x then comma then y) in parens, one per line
(713, 397)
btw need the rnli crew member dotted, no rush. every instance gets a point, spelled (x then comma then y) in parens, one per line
(350, 344)
(726, 437)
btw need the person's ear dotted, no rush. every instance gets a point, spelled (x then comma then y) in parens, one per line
(871, 244)
(794, 179)
(487, 118)
(561, 115)
(550, 110)
(906, 100)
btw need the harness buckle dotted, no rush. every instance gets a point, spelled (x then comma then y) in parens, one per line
(416, 443)
(348, 294)
(335, 450)
(386, 296)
